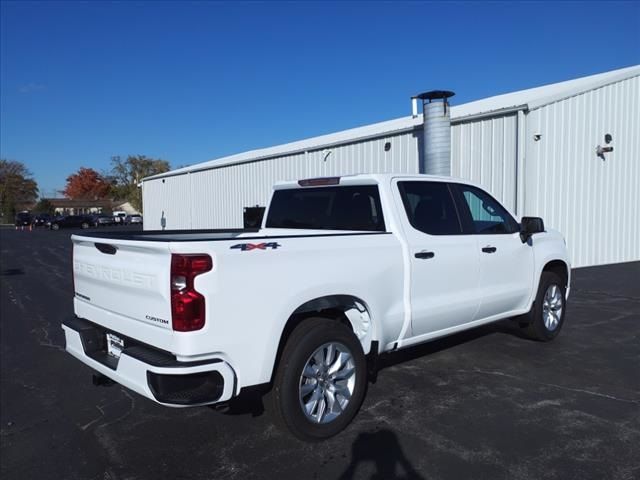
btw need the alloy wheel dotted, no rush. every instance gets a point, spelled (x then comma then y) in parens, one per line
(327, 382)
(552, 305)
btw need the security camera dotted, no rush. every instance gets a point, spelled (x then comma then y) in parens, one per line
(606, 148)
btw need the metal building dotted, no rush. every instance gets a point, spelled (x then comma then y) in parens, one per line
(568, 152)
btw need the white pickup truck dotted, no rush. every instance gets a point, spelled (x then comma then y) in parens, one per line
(344, 268)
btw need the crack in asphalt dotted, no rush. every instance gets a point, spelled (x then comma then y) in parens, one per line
(605, 294)
(132, 405)
(553, 385)
(47, 342)
(606, 321)
(105, 436)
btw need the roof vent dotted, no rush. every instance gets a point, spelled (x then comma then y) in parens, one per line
(436, 151)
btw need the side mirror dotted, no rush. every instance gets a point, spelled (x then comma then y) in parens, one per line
(529, 226)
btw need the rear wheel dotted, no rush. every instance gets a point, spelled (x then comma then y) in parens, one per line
(55, 226)
(321, 380)
(546, 317)
(84, 225)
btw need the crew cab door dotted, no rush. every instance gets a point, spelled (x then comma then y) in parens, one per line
(444, 262)
(506, 264)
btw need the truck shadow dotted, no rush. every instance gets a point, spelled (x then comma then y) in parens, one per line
(389, 359)
(11, 272)
(251, 400)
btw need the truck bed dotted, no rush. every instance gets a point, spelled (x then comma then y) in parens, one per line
(170, 235)
(217, 234)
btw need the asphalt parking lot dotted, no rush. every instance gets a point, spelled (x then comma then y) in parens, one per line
(483, 404)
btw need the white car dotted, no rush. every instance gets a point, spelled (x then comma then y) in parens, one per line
(119, 217)
(134, 219)
(343, 269)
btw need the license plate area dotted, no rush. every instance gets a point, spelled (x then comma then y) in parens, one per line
(115, 345)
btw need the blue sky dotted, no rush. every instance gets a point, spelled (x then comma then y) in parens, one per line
(188, 82)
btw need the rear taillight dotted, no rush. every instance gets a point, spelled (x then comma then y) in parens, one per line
(187, 305)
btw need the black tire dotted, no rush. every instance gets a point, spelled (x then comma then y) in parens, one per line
(55, 226)
(306, 339)
(84, 225)
(534, 325)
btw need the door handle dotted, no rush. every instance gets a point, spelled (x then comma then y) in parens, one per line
(489, 249)
(425, 255)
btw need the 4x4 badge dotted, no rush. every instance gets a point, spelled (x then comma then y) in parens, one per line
(256, 246)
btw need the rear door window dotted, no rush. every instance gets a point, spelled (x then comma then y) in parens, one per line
(354, 207)
(430, 207)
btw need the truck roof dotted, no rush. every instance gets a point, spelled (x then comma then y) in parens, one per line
(363, 178)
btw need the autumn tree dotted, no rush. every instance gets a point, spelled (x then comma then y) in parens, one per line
(127, 174)
(86, 184)
(18, 190)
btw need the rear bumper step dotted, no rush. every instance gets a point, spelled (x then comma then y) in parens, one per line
(151, 372)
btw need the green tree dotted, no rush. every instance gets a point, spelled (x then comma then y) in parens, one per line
(44, 206)
(127, 174)
(18, 190)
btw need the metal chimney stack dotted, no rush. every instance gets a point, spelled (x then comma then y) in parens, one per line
(436, 155)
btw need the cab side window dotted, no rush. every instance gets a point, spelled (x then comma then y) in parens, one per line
(487, 216)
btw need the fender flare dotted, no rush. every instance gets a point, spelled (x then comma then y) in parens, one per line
(354, 310)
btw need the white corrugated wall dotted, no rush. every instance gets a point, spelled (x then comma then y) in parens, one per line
(595, 203)
(215, 198)
(220, 195)
(169, 199)
(484, 151)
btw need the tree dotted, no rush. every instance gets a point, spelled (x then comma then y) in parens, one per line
(86, 184)
(127, 174)
(17, 189)
(44, 206)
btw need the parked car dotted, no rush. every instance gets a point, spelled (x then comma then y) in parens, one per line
(102, 220)
(23, 219)
(71, 221)
(133, 219)
(119, 217)
(342, 270)
(41, 220)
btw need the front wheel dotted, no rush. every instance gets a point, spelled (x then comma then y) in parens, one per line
(546, 318)
(84, 225)
(321, 380)
(55, 226)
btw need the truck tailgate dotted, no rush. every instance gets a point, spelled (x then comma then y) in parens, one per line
(123, 277)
